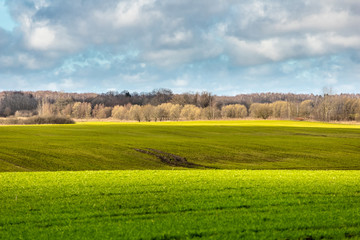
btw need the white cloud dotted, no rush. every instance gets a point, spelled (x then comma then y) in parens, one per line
(247, 52)
(64, 85)
(53, 40)
(180, 82)
(315, 44)
(256, 52)
(344, 41)
(41, 4)
(169, 57)
(21, 60)
(28, 61)
(171, 34)
(41, 38)
(133, 78)
(176, 38)
(127, 14)
(327, 20)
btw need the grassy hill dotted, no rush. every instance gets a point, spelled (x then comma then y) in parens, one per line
(180, 145)
(152, 204)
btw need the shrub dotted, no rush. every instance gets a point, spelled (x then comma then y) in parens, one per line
(37, 120)
(25, 113)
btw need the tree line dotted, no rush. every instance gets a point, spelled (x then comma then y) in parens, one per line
(163, 105)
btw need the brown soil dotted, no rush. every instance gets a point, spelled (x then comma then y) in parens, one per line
(170, 159)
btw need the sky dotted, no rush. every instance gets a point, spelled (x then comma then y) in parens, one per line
(226, 47)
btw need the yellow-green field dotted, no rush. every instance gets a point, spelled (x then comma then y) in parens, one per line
(204, 144)
(198, 204)
(180, 180)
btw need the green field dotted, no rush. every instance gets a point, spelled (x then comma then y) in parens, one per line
(199, 204)
(209, 144)
(180, 180)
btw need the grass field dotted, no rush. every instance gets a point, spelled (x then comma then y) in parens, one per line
(214, 144)
(158, 204)
(155, 196)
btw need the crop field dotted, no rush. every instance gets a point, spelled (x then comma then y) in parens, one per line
(198, 204)
(180, 180)
(185, 145)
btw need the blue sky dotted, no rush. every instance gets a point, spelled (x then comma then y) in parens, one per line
(226, 47)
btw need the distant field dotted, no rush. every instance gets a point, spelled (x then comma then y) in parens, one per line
(206, 204)
(204, 144)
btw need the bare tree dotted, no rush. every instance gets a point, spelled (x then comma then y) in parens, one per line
(234, 111)
(261, 110)
(135, 113)
(16, 101)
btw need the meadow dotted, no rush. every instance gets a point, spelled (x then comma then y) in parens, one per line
(180, 180)
(198, 204)
(206, 144)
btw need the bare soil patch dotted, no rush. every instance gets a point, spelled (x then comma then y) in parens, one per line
(170, 159)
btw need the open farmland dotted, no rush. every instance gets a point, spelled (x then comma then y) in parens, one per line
(303, 183)
(208, 144)
(206, 204)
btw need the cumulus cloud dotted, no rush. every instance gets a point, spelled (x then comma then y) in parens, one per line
(171, 35)
(41, 38)
(276, 31)
(247, 52)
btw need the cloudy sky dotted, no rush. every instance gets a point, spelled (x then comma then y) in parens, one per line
(226, 47)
